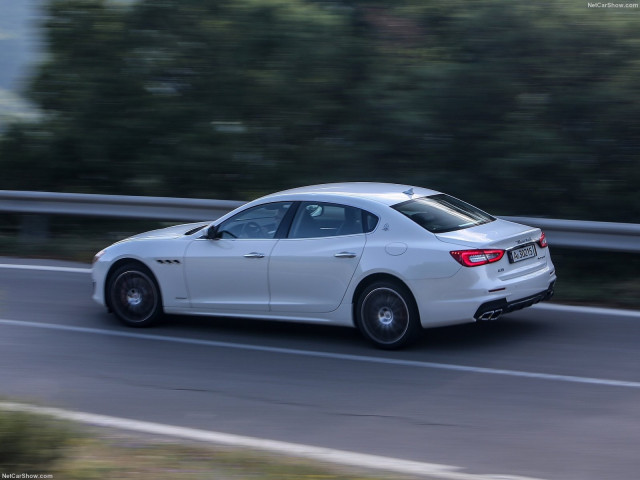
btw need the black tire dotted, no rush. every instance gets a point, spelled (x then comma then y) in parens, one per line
(387, 315)
(134, 296)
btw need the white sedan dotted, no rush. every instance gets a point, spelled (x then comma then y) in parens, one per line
(387, 259)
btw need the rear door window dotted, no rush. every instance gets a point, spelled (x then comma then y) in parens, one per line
(319, 219)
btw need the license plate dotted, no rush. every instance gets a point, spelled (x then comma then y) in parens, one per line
(522, 253)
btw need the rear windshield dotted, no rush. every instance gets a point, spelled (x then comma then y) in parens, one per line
(441, 213)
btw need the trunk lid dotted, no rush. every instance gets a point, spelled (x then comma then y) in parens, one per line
(504, 235)
(497, 234)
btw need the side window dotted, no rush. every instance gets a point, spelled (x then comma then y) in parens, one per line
(261, 221)
(370, 221)
(317, 219)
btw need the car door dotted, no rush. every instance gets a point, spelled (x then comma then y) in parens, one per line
(230, 272)
(310, 270)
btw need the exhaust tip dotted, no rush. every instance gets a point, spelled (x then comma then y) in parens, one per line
(490, 315)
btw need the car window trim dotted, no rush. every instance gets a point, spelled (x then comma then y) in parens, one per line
(287, 220)
(364, 214)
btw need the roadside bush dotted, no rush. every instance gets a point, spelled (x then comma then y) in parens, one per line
(30, 443)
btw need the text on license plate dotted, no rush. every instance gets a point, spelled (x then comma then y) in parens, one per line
(522, 253)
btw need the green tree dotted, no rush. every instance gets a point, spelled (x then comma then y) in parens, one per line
(520, 108)
(195, 98)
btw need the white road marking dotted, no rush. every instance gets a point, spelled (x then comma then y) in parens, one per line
(329, 355)
(442, 472)
(617, 312)
(45, 268)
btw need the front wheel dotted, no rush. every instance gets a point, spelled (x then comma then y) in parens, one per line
(387, 315)
(134, 296)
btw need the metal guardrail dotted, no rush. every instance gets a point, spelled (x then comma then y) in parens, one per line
(565, 233)
(115, 206)
(622, 237)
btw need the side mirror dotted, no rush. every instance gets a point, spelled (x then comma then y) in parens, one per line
(212, 232)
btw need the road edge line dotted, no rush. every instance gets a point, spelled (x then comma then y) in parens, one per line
(45, 268)
(561, 307)
(327, 355)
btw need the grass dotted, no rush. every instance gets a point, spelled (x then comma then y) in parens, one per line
(121, 457)
(30, 443)
(38, 445)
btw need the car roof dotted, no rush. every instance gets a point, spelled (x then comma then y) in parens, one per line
(385, 193)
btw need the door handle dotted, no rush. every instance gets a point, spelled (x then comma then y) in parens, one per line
(254, 255)
(345, 255)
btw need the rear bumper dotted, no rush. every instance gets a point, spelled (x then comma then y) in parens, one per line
(493, 309)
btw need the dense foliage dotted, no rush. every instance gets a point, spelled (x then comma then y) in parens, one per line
(30, 443)
(521, 109)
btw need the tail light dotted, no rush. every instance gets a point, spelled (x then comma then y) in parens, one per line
(542, 241)
(475, 258)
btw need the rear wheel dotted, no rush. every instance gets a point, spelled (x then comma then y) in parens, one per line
(134, 295)
(387, 315)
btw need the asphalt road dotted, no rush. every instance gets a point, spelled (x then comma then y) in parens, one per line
(551, 394)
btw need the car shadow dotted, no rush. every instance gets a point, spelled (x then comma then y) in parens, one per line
(472, 336)
(481, 335)
(243, 330)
